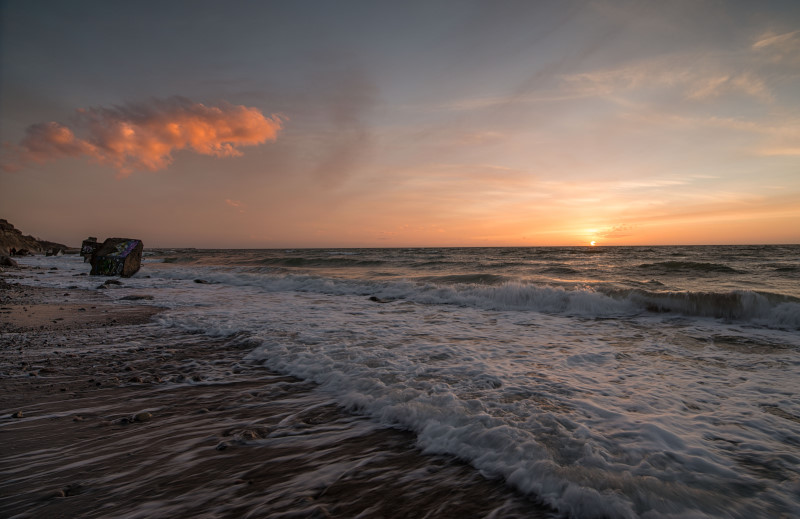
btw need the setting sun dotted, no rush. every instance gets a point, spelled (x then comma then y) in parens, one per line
(593, 243)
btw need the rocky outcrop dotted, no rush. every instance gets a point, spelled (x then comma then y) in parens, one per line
(12, 238)
(5, 261)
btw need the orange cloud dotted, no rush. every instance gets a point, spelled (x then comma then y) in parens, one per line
(144, 136)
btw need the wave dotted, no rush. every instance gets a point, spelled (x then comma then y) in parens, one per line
(559, 270)
(590, 250)
(176, 259)
(492, 292)
(298, 261)
(740, 305)
(436, 263)
(688, 266)
(476, 279)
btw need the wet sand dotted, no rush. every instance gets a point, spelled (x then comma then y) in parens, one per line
(103, 414)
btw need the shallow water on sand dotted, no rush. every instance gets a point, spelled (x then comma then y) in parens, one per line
(169, 424)
(630, 382)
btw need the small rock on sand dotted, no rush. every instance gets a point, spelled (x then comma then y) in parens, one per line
(142, 417)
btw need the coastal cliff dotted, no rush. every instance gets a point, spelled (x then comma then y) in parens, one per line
(11, 237)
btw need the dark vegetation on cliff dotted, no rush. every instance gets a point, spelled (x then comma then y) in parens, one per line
(10, 237)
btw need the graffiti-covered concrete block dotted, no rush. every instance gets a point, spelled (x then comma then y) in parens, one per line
(88, 247)
(117, 257)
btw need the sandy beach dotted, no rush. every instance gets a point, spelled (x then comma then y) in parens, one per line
(100, 417)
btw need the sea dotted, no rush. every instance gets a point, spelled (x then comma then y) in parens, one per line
(653, 382)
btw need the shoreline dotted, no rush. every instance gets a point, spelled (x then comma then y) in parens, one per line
(105, 413)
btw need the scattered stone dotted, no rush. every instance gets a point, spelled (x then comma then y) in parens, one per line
(142, 417)
(135, 380)
(221, 446)
(379, 300)
(138, 297)
(6, 261)
(72, 489)
(112, 282)
(18, 414)
(202, 281)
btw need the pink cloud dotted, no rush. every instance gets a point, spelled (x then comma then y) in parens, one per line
(143, 136)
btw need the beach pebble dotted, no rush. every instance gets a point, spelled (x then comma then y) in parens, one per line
(221, 446)
(54, 494)
(72, 489)
(135, 380)
(18, 414)
(142, 417)
(201, 281)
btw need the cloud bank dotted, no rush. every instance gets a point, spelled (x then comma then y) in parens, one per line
(143, 136)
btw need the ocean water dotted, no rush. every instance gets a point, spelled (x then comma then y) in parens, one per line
(624, 382)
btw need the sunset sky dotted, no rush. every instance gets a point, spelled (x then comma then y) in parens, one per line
(430, 123)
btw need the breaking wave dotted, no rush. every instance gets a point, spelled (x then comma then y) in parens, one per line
(493, 292)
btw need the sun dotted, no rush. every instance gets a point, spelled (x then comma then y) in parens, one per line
(593, 243)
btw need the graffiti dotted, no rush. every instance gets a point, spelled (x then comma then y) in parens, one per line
(117, 257)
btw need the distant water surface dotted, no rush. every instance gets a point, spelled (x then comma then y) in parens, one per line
(600, 381)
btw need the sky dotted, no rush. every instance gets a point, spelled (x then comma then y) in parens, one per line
(401, 124)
